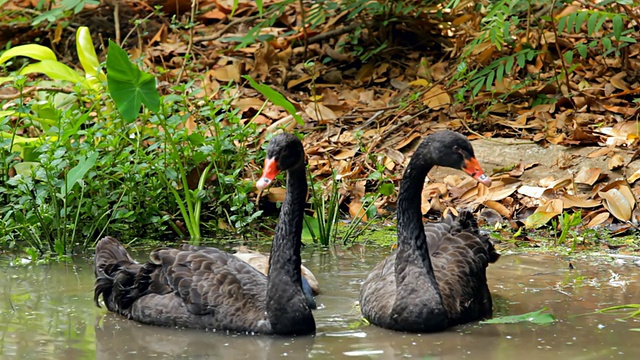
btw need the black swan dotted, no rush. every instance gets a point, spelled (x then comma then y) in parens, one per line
(206, 288)
(436, 278)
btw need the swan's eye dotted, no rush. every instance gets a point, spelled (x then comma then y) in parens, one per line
(457, 149)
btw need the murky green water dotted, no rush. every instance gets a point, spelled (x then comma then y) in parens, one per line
(47, 312)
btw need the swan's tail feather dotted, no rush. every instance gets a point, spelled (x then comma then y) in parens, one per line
(468, 222)
(116, 274)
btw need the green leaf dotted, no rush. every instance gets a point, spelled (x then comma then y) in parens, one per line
(490, 79)
(582, 50)
(582, 15)
(386, 189)
(128, 86)
(591, 23)
(509, 66)
(77, 172)
(568, 57)
(562, 24)
(55, 70)
(536, 317)
(500, 73)
(618, 26)
(521, 59)
(276, 98)
(571, 20)
(36, 52)
(606, 43)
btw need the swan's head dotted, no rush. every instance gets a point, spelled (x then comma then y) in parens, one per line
(451, 149)
(284, 152)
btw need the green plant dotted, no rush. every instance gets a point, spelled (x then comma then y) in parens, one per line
(567, 222)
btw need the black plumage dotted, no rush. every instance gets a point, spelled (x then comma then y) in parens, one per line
(436, 278)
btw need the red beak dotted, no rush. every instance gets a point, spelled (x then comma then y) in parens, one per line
(472, 167)
(269, 173)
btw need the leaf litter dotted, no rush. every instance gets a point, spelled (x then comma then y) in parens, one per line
(364, 116)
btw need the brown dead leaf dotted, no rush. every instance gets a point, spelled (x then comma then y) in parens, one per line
(357, 210)
(544, 213)
(320, 113)
(589, 176)
(501, 209)
(618, 81)
(227, 73)
(571, 201)
(598, 219)
(600, 152)
(616, 162)
(276, 194)
(436, 98)
(619, 200)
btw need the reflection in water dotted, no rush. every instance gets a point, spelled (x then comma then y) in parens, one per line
(47, 312)
(118, 338)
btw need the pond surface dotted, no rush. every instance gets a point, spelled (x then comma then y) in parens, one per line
(47, 312)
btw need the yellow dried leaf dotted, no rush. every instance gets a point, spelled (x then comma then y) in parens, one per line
(634, 177)
(419, 82)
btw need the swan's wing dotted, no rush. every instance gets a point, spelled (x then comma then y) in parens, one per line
(460, 258)
(187, 287)
(378, 292)
(216, 289)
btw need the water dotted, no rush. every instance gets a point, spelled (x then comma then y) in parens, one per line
(47, 312)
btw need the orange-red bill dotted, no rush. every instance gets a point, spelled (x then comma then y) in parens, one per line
(269, 173)
(472, 167)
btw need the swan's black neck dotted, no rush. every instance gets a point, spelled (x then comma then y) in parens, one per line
(286, 305)
(412, 242)
(418, 305)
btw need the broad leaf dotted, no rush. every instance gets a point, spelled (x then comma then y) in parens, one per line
(536, 317)
(129, 87)
(34, 51)
(55, 70)
(88, 58)
(276, 98)
(77, 172)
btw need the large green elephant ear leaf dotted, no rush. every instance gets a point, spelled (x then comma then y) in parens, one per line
(128, 86)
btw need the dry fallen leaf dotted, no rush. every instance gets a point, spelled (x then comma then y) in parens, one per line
(619, 200)
(616, 162)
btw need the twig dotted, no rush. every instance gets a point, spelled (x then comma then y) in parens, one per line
(189, 53)
(232, 23)
(564, 66)
(305, 37)
(36, 88)
(332, 33)
(116, 20)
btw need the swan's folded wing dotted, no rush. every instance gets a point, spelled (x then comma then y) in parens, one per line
(210, 288)
(378, 292)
